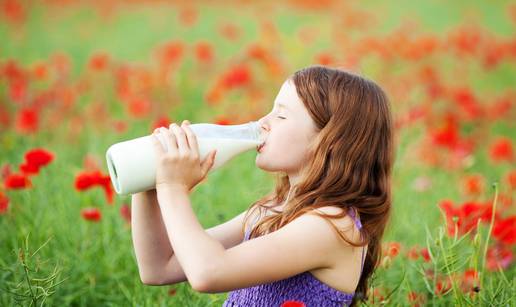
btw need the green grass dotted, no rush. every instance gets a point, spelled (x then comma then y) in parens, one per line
(96, 262)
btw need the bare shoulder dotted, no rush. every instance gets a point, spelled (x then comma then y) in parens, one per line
(345, 224)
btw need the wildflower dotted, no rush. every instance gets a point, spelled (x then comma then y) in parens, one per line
(162, 121)
(27, 120)
(469, 280)
(204, 52)
(498, 256)
(223, 121)
(91, 214)
(293, 304)
(35, 159)
(87, 180)
(393, 249)
(505, 230)
(4, 203)
(237, 76)
(473, 184)
(125, 213)
(501, 150)
(17, 181)
(425, 254)
(99, 61)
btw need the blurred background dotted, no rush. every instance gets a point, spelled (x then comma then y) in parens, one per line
(78, 76)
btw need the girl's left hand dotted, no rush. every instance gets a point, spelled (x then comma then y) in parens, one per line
(180, 166)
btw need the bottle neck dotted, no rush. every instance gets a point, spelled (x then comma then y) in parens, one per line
(254, 130)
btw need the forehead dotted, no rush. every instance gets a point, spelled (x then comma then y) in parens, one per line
(287, 97)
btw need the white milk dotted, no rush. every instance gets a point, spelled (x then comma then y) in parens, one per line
(132, 164)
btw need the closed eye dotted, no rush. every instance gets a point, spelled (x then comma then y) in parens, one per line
(282, 117)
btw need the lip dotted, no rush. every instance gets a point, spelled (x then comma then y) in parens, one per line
(260, 147)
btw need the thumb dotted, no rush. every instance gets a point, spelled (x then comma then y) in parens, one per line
(208, 162)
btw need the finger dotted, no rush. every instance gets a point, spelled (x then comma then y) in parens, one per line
(170, 140)
(182, 143)
(192, 140)
(208, 162)
(158, 146)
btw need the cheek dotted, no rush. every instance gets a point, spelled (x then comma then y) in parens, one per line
(285, 150)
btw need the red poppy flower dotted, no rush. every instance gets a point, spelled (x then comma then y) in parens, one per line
(4, 203)
(293, 304)
(500, 107)
(171, 53)
(416, 299)
(257, 52)
(425, 254)
(86, 180)
(125, 213)
(40, 71)
(448, 135)
(392, 249)
(29, 169)
(38, 157)
(17, 181)
(469, 280)
(162, 121)
(413, 253)
(498, 255)
(99, 61)
(204, 52)
(442, 286)
(18, 90)
(467, 101)
(237, 76)
(324, 59)
(91, 214)
(467, 215)
(511, 179)
(223, 121)
(27, 120)
(120, 126)
(505, 230)
(501, 150)
(473, 184)
(188, 16)
(13, 10)
(139, 107)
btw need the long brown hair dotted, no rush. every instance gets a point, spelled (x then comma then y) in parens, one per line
(349, 163)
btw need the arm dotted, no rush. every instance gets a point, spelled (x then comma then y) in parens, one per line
(151, 245)
(156, 268)
(306, 243)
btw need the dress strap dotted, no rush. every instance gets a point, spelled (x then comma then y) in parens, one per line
(353, 214)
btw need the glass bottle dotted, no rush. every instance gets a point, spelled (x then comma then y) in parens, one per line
(132, 163)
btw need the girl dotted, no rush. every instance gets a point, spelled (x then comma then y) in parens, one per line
(316, 238)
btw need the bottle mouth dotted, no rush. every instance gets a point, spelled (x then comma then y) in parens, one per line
(255, 131)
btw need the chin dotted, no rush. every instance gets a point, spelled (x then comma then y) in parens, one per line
(261, 164)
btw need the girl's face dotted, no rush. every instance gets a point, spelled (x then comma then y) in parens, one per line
(287, 130)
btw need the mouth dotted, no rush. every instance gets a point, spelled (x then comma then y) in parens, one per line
(259, 147)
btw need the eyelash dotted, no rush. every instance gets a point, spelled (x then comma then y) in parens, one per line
(281, 117)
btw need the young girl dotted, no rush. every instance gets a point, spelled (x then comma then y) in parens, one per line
(316, 238)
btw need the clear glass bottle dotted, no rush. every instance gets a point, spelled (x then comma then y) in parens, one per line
(132, 163)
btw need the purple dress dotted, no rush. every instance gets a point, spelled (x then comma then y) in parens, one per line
(303, 287)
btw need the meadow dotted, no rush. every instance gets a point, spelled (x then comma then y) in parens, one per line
(76, 77)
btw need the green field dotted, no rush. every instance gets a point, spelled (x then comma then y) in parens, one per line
(87, 68)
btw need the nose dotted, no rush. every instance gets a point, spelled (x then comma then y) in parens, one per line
(263, 124)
